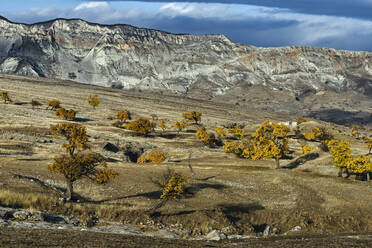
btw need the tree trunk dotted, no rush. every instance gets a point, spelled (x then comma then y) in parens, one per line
(339, 171)
(277, 163)
(69, 189)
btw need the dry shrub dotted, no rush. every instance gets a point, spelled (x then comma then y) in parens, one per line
(152, 157)
(172, 185)
(54, 104)
(62, 113)
(140, 126)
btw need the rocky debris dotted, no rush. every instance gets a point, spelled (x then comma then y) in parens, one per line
(125, 56)
(21, 215)
(214, 235)
(3, 223)
(133, 150)
(268, 231)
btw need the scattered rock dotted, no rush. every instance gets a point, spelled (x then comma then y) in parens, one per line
(215, 235)
(53, 218)
(268, 231)
(296, 229)
(168, 234)
(21, 215)
(72, 221)
(3, 223)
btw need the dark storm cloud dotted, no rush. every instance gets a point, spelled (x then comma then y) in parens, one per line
(347, 8)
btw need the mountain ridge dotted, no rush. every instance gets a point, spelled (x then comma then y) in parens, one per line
(125, 56)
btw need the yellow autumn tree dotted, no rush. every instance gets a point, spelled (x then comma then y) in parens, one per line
(62, 113)
(77, 164)
(269, 141)
(354, 131)
(341, 153)
(360, 165)
(173, 185)
(300, 120)
(140, 126)
(93, 100)
(192, 116)
(317, 134)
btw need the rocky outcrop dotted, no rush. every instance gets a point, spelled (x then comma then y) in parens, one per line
(125, 56)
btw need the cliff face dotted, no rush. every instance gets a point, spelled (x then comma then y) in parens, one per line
(122, 55)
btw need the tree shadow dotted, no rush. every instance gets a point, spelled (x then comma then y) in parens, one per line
(342, 117)
(232, 211)
(168, 136)
(301, 160)
(82, 119)
(150, 195)
(193, 189)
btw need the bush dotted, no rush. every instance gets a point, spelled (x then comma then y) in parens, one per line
(93, 100)
(317, 134)
(140, 126)
(62, 113)
(237, 131)
(220, 131)
(300, 120)
(152, 157)
(208, 138)
(35, 103)
(305, 149)
(172, 185)
(123, 116)
(192, 116)
(163, 125)
(5, 96)
(54, 104)
(180, 125)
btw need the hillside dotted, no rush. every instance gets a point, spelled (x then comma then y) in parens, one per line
(232, 195)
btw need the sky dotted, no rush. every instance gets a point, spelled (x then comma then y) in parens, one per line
(340, 24)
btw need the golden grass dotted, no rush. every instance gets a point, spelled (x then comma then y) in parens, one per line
(27, 200)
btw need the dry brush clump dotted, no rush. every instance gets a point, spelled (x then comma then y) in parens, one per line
(54, 104)
(69, 115)
(35, 103)
(179, 125)
(140, 126)
(151, 157)
(206, 137)
(5, 96)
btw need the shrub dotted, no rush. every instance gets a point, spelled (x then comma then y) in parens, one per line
(360, 164)
(192, 116)
(54, 104)
(317, 134)
(123, 115)
(354, 131)
(5, 96)
(173, 185)
(208, 138)
(62, 113)
(163, 125)
(152, 157)
(305, 149)
(180, 125)
(140, 126)
(220, 131)
(93, 100)
(237, 131)
(300, 120)
(35, 103)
